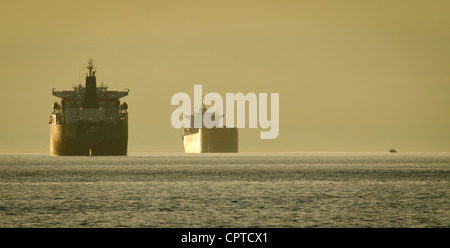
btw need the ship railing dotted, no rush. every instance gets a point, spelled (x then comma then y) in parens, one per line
(77, 86)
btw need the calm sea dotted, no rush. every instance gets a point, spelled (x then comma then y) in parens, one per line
(229, 190)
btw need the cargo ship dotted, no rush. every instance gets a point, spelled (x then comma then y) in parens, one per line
(89, 120)
(209, 140)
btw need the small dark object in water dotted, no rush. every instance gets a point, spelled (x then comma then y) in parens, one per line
(392, 151)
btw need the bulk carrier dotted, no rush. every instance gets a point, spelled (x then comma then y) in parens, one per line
(89, 120)
(209, 140)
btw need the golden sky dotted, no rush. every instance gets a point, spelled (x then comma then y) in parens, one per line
(352, 75)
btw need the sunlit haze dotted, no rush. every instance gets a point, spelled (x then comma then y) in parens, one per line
(351, 75)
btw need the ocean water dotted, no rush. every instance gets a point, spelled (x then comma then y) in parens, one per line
(226, 190)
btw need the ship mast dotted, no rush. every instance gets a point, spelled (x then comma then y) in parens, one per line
(91, 67)
(90, 98)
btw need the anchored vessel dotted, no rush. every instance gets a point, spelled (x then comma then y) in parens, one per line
(89, 120)
(209, 140)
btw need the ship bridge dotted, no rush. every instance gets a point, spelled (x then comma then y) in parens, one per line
(89, 103)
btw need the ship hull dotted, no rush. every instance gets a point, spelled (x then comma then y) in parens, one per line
(88, 139)
(215, 140)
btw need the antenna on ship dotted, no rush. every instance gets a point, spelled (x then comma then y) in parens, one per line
(90, 98)
(90, 67)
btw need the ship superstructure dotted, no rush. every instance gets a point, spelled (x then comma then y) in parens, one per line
(209, 140)
(89, 120)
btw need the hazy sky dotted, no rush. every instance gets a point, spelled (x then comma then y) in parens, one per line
(352, 75)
